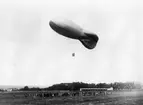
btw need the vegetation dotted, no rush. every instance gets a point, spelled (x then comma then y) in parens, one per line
(77, 85)
(26, 88)
(34, 96)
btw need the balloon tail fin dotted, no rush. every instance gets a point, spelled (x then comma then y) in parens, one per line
(90, 42)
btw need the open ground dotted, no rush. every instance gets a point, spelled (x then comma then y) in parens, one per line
(114, 98)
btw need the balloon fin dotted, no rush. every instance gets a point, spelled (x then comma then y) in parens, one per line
(91, 41)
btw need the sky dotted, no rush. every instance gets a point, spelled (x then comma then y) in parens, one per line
(31, 53)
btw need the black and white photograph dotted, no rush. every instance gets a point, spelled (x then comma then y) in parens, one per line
(71, 52)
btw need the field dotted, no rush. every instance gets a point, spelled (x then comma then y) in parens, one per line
(116, 98)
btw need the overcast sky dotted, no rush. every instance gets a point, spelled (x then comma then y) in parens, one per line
(31, 53)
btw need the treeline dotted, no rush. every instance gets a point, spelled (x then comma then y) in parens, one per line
(26, 88)
(75, 86)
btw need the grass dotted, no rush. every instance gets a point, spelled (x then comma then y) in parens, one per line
(116, 98)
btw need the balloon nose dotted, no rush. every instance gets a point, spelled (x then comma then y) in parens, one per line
(54, 21)
(55, 26)
(51, 23)
(59, 22)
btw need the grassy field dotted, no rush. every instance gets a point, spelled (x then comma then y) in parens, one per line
(116, 98)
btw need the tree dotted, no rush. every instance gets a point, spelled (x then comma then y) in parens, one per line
(25, 88)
